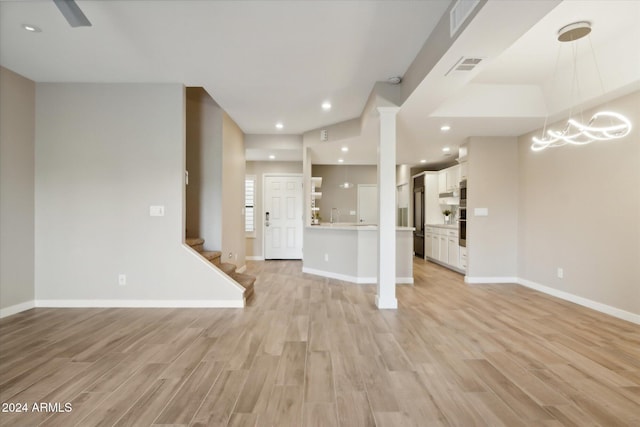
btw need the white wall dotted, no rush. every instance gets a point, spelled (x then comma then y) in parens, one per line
(233, 174)
(254, 245)
(346, 200)
(17, 134)
(204, 163)
(104, 154)
(579, 210)
(492, 184)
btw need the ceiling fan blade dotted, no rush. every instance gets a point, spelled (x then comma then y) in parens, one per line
(71, 11)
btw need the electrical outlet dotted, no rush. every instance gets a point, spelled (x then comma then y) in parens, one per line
(230, 255)
(326, 257)
(560, 273)
(122, 279)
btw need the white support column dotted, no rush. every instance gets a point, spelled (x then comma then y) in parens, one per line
(386, 297)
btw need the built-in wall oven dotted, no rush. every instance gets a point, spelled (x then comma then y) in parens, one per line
(462, 216)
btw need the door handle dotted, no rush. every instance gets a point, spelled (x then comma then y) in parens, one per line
(266, 219)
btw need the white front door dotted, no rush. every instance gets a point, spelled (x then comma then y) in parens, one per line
(283, 217)
(368, 203)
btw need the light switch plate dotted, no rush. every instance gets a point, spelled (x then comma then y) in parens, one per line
(156, 210)
(481, 211)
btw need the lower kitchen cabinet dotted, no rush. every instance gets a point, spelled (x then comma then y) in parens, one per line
(442, 246)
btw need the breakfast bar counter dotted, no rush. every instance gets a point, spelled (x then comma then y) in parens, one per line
(349, 252)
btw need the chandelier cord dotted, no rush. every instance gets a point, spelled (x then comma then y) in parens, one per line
(554, 81)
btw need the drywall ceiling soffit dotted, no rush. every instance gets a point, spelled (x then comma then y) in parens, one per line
(510, 93)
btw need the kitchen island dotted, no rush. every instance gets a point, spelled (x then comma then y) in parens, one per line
(349, 252)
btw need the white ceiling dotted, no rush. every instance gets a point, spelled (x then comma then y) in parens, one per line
(268, 61)
(262, 61)
(510, 94)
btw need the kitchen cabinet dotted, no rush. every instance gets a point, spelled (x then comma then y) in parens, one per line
(453, 249)
(428, 244)
(442, 246)
(449, 179)
(462, 260)
(443, 253)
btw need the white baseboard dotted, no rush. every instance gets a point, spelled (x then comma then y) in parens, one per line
(115, 303)
(487, 280)
(585, 302)
(254, 258)
(353, 279)
(17, 308)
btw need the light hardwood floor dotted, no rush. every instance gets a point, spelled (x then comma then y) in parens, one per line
(310, 351)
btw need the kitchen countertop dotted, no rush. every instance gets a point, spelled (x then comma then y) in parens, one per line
(352, 226)
(451, 226)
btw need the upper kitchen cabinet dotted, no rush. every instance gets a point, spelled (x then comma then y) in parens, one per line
(449, 179)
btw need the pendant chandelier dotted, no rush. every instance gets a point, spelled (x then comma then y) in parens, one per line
(602, 126)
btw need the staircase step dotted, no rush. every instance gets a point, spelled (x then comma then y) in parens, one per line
(228, 268)
(213, 256)
(195, 242)
(247, 283)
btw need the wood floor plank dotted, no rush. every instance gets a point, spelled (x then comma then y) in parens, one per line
(284, 408)
(319, 378)
(151, 403)
(309, 350)
(120, 401)
(194, 389)
(292, 364)
(217, 407)
(257, 388)
(509, 392)
(354, 410)
(319, 415)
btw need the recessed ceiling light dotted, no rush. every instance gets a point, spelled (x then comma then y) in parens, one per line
(326, 106)
(446, 149)
(271, 156)
(31, 28)
(423, 161)
(279, 125)
(340, 160)
(445, 128)
(345, 149)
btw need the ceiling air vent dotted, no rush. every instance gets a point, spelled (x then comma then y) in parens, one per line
(324, 135)
(459, 13)
(464, 64)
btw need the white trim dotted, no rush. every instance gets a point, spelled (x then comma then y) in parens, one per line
(241, 269)
(594, 305)
(391, 304)
(353, 279)
(254, 258)
(115, 303)
(17, 308)
(488, 280)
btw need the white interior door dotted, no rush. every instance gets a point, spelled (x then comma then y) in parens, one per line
(282, 217)
(368, 203)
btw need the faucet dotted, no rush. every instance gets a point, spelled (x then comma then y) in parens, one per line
(337, 215)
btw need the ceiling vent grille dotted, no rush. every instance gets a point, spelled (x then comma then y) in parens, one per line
(324, 135)
(459, 13)
(464, 64)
